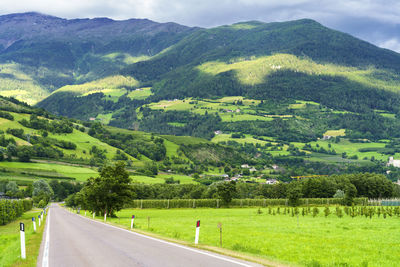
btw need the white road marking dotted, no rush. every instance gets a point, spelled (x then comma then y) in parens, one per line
(171, 244)
(45, 260)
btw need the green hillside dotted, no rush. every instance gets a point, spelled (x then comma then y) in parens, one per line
(294, 94)
(35, 144)
(297, 60)
(41, 53)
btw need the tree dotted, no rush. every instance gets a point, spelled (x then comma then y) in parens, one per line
(246, 172)
(350, 193)
(294, 193)
(225, 191)
(108, 192)
(41, 191)
(11, 151)
(339, 194)
(12, 187)
(25, 153)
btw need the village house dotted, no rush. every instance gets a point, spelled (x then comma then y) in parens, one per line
(271, 181)
(326, 137)
(393, 162)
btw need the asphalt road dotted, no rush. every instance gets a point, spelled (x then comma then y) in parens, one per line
(72, 240)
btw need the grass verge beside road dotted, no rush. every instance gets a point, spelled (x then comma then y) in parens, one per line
(10, 245)
(306, 241)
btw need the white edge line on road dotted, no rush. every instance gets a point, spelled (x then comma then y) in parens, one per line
(170, 243)
(45, 260)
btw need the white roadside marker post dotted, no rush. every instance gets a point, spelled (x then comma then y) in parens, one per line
(34, 224)
(39, 219)
(196, 239)
(133, 218)
(85, 213)
(94, 214)
(105, 216)
(22, 231)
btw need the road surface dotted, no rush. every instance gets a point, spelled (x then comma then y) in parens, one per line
(72, 240)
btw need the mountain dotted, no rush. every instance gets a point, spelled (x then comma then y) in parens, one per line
(301, 60)
(40, 53)
(288, 92)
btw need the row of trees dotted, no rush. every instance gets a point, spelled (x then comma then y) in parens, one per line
(12, 209)
(40, 191)
(112, 189)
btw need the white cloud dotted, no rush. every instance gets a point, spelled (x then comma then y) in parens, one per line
(392, 44)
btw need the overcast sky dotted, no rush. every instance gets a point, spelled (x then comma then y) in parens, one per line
(377, 21)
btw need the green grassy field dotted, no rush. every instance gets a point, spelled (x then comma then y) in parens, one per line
(227, 137)
(112, 86)
(79, 173)
(253, 71)
(160, 179)
(305, 241)
(141, 93)
(10, 241)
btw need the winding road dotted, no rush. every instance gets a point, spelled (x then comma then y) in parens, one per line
(73, 240)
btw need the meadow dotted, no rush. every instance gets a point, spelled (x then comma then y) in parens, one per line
(304, 241)
(160, 179)
(49, 170)
(10, 241)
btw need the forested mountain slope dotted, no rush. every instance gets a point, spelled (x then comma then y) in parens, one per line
(42, 53)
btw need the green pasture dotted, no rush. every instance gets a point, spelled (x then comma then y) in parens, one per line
(227, 137)
(233, 117)
(182, 178)
(104, 118)
(10, 241)
(225, 107)
(79, 173)
(84, 143)
(113, 94)
(20, 84)
(252, 71)
(146, 179)
(188, 140)
(124, 57)
(140, 93)
(112, 85)
(304, 241)
(160, 178)
(302, 104)
(352, 148)
(340, 132)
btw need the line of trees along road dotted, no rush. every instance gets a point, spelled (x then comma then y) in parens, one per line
(12, 209)
(112, 190)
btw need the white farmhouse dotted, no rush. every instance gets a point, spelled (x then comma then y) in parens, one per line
(393, 162)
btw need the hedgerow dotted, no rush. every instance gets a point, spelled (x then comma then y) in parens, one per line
(12, 209)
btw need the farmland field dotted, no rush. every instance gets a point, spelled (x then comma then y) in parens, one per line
(306, 241)
(79, 173)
